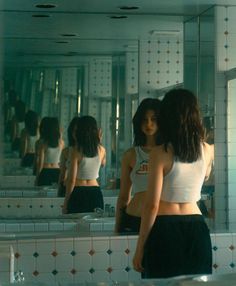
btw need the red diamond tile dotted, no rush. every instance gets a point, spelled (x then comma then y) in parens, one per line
(127, 251)
(231, 247)
(73, 271)
(109, 269)
(91, 252)
(54, 253)
(35, 273)
(17, 255)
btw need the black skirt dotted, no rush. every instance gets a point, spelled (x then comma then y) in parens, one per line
(85, 199)
(48, 176)
(129, 224)
(177, 245)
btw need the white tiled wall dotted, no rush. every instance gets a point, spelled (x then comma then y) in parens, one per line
(97, 258)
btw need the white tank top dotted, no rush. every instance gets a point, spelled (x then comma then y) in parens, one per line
(89, 168)
(139, 174)
(184, 181)
(52, 155)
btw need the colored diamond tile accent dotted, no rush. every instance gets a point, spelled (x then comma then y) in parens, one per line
(91, 270)
(215, 266)
(54, 272)
(109, 251)
(127, 269)
(73, 271)
(36, 254)
(231, 247)
(91, 252)
(109, 269)
(214, 248)
(17, 255)
(232, 265)
(226, 32)
(54, 253)
(35, 273)
(73, 253)
(127, 251)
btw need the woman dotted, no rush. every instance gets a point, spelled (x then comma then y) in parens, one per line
(174, 238)
(49, 152)
(83, 193)
(134, 167)
(64, 159)
(29, 136)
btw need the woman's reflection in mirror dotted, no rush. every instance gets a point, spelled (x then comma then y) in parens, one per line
(174, 238)
(29, 136)
(134, 166)
(64, 159)
(18, 124)
(83, 193)
(48, 152)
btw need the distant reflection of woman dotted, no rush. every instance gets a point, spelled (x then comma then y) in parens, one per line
(174, 238)
(29, 136)
(64, 159)
(49, 152)
(134, 167)
(83, 193)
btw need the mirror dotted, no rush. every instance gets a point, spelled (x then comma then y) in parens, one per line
(86, 61)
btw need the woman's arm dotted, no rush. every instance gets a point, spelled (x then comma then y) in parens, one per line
(125, 187)
(71, 177)
(40, 160)
(63, 160)
(23, 143)
(151, 203)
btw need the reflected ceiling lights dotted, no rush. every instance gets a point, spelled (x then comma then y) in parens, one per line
(118, 17)
(45, 6)
(128, 7)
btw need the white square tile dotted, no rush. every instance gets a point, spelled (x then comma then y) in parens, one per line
(102, 276)
(223, 240)
(224, 257)
(119, 260)
(118, 244)
(100, 261)
(100, 245)
(64, 245)
(45, 263)
(64, 262)
(83, 245)
(82, 262)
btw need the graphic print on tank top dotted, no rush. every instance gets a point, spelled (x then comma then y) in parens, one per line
(143, 168)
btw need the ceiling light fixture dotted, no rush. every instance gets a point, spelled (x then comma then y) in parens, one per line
(128, 7)
(68, 35)
(40, 16)
(165, 32)
(45, 6)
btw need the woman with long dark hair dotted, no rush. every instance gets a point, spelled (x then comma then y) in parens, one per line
(28, 138)
(174, 238)
(64, 159)
(83, 193)
(134, 167)
(49, 152)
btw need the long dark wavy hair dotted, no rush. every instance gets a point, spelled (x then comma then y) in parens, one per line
(31, 122)
(181, 124)
(145, 105)
(87, 136)
(51, 132)
(71, 129)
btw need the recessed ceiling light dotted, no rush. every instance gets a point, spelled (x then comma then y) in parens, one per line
(165, 32)
(128, 7)
(118, 17)
(61, 42)
(45, 6)
(68, 35)
(40, 16)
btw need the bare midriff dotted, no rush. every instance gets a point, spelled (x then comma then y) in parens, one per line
(135, 206)
(86, 183)
(50, 166)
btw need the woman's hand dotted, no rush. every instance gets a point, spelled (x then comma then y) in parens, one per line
(64, 209)
(137, 260)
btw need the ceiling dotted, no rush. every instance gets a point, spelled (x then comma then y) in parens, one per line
(81, 27)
